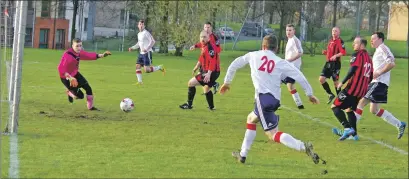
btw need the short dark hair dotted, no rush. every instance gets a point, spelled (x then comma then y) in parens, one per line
(76, 40)
(142, 21)
(270, 42)
(290, 25)
(209, 23)
(364, 42)
(380, 35)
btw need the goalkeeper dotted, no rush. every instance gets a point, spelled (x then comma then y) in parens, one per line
(72, 78)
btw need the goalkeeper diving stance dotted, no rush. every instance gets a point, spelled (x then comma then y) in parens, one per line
(72, 78)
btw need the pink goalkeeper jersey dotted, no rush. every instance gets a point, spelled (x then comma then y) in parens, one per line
(70, 64)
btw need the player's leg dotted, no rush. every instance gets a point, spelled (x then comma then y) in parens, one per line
(193, 82)
(341, 103)
(249, 137)
(83, 83)
(148, 66)
(216, 87)
(376, 109)
(335, 75)
(353, 122)
(208, 92)
(138, 66)
(291, 88)
(326, 73)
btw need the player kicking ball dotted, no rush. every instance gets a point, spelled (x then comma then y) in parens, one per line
(209, 72)
(72, 78)
(266, 71)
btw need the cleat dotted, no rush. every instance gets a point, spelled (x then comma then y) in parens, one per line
(139, 83)
(301, 107)
(185, 106)
(162, 68)
(337, 132)
(94, 109)
(238, 157)
(401, 129)
(355, 137)
(70, 99)
(330, 98)
(309, 151)
(211, 109)
(346, 134)
(216, 87)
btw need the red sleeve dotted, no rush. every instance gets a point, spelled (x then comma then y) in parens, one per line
(341, 47)
(198, 45)
(84, 55)
(356, 60)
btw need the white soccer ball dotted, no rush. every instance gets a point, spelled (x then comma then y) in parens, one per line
(126, 105)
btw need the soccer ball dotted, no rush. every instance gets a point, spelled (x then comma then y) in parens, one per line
(126, 105)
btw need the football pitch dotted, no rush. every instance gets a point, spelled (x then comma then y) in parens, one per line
(158, 139)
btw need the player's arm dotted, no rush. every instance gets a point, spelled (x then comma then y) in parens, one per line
(195, 68)
(84, 55)
(66, 61)
(136, 46)
(355, 64)
(341, 48)
(151, 41)
(390, 63)
(293, 72)
(298, 48)
(238, 63)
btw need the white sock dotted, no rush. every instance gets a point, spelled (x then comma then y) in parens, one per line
(296, 97)
(154, 68)
(248, 139)
(289, 141)
(388, 117)
(139, 75)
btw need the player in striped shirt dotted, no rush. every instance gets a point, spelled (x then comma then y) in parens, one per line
(358, 78)
(293, 53)
(383, 63)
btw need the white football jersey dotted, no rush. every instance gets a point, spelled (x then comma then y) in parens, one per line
(381, 57)
(266, 71)
(145, 40)
(292, 48)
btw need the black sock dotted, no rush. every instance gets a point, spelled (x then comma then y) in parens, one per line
(337, 90)
(209, 98)
(191, 95)
(352, 121)
(326, 88)
(341, 117)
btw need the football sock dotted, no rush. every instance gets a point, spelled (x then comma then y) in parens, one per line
(352, 121)
(249, 137)
(388, 117)
(191, 95)
(209, 98)
(341, 117)
(296, 97)
(326, 88)
(139, 75)
(289, 141)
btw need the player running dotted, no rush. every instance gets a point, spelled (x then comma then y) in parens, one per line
(210, 71)
(72, 78)
(293, 53)
(383, 62)
(213, 40)
(145, 43)
(332, 67)
(358, 77)
(266, 71)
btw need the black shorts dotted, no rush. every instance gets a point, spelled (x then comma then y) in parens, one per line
(213, 77)
(345, 101)
(377, 92)
(80, 79)
(288, 80)
(145, 59)
(331, 70)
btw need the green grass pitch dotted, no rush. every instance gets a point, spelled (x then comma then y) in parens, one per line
(158, 139)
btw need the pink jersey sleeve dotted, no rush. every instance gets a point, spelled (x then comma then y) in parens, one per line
(84, 55)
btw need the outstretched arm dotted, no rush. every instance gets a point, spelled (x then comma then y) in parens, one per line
(238, 63)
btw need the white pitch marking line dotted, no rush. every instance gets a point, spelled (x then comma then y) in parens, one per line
(360, 135)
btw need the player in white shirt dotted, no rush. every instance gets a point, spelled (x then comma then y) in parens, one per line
(145, 43)
(266, 71)
(293, 53)
(383, 62)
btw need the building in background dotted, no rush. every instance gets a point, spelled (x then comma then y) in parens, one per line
(398, 21)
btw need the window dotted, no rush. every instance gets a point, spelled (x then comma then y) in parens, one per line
(85, 24)
(44, 38)
(29, 33)
(121, 18)
(45, 8)
(61, 9)
(30, 5)
(60, 39)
